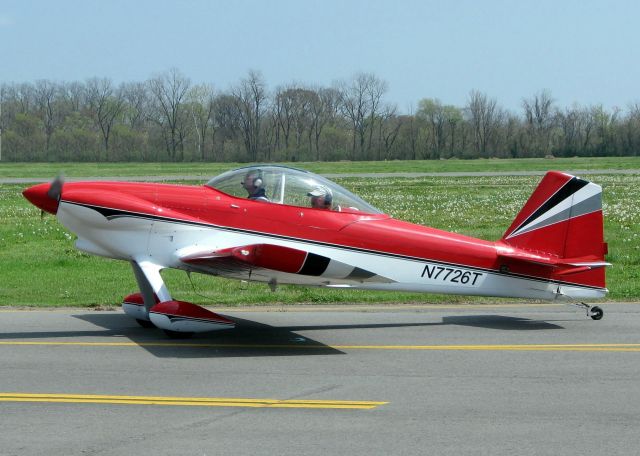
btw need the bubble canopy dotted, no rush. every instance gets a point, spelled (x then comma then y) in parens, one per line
(290, 186)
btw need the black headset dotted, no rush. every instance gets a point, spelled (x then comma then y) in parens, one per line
(257, 180)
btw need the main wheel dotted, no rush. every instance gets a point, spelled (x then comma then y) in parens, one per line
(596, 313)
(178, 334)
(145, 323)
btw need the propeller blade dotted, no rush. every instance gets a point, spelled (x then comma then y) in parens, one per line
(55, 190)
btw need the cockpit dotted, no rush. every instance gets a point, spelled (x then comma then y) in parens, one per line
(290, 186)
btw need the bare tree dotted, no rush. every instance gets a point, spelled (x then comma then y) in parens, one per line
(359, 103)
(250, 98)
(410, 133)
(294, 112)
(631, 130)
(136, 98)
(539, 117)
(271, 132)
(375, 91)
(25, 96)
(302, 114)
(201, 102)
(512, 128)
(45, 100)
(75, 94)
(453, 117)
(10, 105)
(570, 123)
(283, 106)
(225, 119)
(389, 127)
(353, 107)
(432, 112)
(483, 116)
(606, 124)
(2, 122)
(324, 107)
(105, 104)
(169, 90)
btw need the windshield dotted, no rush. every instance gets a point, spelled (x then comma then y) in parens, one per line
(284, 185)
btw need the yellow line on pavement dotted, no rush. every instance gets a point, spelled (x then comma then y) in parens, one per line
(189, 401)
(303, 346)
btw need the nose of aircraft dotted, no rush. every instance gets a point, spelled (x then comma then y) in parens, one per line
(38, 195)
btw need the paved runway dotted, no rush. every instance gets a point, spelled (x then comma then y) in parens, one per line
(540, 379)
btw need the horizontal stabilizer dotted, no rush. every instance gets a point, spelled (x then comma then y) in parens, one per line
(562, 266)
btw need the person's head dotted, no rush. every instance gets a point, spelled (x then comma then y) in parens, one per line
(253, 181)
(321, 197)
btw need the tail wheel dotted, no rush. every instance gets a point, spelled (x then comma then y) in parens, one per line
(596, 313)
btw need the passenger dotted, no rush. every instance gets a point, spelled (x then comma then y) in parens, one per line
(322, 198)
(253, 183)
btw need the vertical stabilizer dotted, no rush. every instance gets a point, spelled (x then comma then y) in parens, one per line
(563, 218)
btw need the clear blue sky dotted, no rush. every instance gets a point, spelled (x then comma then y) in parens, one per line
(583, 51)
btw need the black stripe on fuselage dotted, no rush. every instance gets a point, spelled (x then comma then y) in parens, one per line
(121, 213)
(107, 213)
(314, 265)
(569, 188)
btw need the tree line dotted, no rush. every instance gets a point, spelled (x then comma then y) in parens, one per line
(167, 118)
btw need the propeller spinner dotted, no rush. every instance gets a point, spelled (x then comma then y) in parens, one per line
(46, 196)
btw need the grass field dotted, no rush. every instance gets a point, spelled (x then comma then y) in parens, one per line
(41, 267)
(207, 170)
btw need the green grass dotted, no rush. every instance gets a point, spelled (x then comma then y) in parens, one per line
(207, 170)
(40, 266)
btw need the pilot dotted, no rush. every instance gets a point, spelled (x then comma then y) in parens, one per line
(322, 198)
(253, 183)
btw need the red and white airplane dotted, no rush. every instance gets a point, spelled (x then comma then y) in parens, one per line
(277, 224)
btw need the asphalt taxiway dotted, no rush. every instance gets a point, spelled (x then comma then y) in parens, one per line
(510, 379)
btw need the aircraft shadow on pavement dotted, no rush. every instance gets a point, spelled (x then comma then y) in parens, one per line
(479, 321)
(247, 339)
(251, 338)
(499, 322)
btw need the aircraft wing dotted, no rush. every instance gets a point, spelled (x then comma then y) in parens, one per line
(282, 259)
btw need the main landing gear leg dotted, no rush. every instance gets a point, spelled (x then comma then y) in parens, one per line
(151, 285)
(595, 312)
